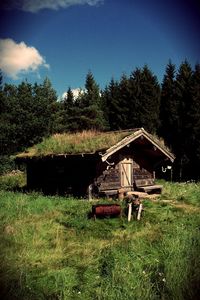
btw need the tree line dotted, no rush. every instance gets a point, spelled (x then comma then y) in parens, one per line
(171, 110)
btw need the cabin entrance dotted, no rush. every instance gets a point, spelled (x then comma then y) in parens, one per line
(126, 170)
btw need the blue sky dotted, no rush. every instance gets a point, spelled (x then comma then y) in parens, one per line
(64, 39)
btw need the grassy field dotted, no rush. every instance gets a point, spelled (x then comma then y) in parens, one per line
(51, 250)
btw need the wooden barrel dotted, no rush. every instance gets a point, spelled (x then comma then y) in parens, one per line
(106, 210)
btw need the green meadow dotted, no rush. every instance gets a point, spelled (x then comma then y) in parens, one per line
(50, 249)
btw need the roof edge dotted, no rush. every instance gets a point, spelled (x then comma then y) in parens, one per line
(128, 139)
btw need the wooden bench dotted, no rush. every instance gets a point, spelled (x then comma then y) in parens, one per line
(147, 186)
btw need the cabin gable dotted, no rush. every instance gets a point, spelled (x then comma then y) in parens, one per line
(121, 171)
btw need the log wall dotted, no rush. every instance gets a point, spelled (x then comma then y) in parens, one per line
(109, 177)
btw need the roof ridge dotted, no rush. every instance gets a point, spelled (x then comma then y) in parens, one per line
(124, 130)
(135, 135)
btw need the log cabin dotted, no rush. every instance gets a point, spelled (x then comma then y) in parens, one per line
(96, 163)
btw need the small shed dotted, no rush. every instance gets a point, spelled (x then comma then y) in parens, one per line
(97, 163)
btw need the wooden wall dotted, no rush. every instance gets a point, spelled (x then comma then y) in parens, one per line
(73, 174)
(70, 175)
(109, 177)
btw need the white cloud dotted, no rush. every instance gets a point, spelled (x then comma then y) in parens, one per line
(36, 5)
(76, 92)
(16, 58)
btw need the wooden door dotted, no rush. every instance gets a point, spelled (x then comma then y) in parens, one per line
(126, 173)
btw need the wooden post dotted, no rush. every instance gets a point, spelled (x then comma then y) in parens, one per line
(90, 192)
(129, 211)
(139, 212)
(121, 194)
(171, 172)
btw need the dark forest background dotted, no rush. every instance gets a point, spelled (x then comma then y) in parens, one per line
(171, 110)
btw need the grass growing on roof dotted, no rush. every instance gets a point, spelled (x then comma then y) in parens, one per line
(76, 143)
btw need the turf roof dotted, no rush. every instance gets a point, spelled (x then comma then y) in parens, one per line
(76, 143)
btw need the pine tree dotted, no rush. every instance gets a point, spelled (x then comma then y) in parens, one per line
(193, 126)
(169, 114)
(2, 101)
(124, 101)
(135, 89)
(92, 91)
(58, 122)
(68, 100)
(144, 100)
(89, 114)
(45, 100)
(113, 105)
(8, 129)
(183, 96)
(71, 111)
(105, 109)
(1, 80)
(23, 115)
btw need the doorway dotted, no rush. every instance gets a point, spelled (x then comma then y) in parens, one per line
(126, 170)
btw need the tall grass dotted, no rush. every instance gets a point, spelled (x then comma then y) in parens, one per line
(51, 250)
(12, 180)
(182, 192)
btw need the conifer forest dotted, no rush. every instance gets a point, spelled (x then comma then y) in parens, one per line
(169, 109)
